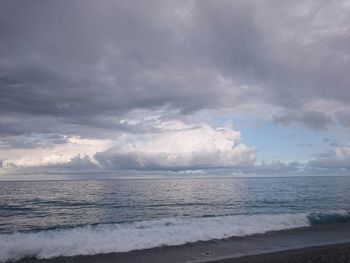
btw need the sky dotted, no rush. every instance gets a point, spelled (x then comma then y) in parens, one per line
(174, 87)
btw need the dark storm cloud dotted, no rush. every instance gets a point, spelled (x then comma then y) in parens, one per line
(77, 63)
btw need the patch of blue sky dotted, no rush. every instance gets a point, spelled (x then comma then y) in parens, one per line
(274, 142)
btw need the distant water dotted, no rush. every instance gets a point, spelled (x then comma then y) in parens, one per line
(52, 218)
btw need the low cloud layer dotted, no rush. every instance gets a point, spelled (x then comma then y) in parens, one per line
(338, 158)
(172, 145)
(52, 155)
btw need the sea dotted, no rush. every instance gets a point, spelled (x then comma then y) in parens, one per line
(46, 219)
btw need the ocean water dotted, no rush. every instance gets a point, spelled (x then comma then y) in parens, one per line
(46, 219)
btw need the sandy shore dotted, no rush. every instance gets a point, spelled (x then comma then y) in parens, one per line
(325, 243)
(339, 253)
(324, 254)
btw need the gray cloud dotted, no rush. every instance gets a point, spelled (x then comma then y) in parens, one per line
(343, 118)
(114, 160)
(338, 158)
(77, 62)
(311, 119)
(82, 67)
(332, 142)
(32, 141)
(79, 163)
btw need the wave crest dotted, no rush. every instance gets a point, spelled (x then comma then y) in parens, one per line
(125, 237)
(329, 218)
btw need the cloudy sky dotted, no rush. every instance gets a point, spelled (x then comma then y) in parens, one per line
(185, 86)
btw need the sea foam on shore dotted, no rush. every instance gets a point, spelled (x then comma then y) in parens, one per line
(106, 238)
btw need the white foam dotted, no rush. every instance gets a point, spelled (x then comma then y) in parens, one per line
(91, 240)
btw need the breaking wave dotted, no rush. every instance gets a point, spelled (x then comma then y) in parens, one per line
(107, 238)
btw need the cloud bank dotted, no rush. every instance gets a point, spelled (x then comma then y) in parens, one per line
(173, 145)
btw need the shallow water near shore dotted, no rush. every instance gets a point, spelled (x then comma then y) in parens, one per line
(47, 219)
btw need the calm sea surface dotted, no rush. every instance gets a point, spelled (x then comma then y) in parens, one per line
(44, 205)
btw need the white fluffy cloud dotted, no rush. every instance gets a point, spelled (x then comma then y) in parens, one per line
(58, 154)
(177, 145)
(168, 145)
